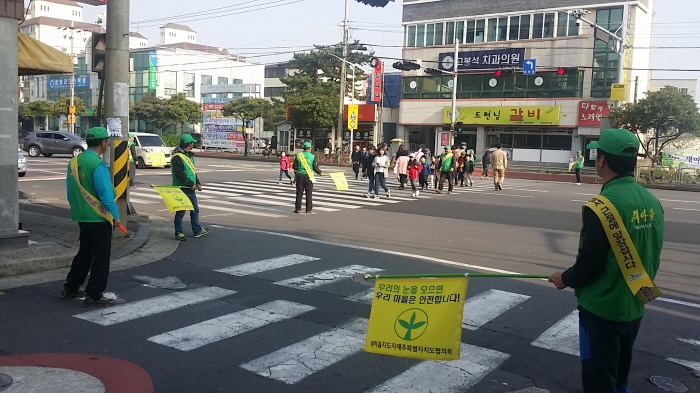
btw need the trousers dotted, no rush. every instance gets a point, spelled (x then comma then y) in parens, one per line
(443, 176)
(93, 257)
(194, 214)
(304, 185)
(498, 176)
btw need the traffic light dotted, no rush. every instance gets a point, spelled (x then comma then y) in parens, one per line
(405, 65)
(459, 126)
(99, 41)
(375, 3)
(433, 72)
(503, 72)
(567, 71)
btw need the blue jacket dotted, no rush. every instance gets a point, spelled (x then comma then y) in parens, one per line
(426, 168)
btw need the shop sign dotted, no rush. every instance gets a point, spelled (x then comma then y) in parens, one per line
(507, 115)
(483, 59)
(303, 133)
(377, 82)
(365, 112)
(590, 112)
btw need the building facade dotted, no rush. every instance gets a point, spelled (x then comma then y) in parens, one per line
(545, 116)
(686, 86)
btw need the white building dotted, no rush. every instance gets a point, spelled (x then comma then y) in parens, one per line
(57, 9)
(173, 33)
(687, 86)
(137, 41)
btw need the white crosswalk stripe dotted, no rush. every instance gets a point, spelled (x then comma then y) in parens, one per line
(266, 264)
(485, 307)
(562, 336)
(315, 280)
(231, 325)
(297, 361)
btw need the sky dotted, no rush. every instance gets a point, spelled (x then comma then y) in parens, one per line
(268, 31)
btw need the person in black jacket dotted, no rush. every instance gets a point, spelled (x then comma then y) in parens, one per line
(356, 159)
(368, 170)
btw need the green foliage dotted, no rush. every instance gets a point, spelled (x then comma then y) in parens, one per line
(60, 106)
(171, 140)
(247, 109)
(181, 110)
(40, 109)
(151, 109)
(313, 109)
(665, 115)
(276, 115)
(163, 113)
(24, 112)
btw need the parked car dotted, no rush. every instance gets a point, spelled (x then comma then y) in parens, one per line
(21, 164)
(49, 143)
(149, 143)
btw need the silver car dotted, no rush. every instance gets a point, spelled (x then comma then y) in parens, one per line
(21, 164)
(49, 143)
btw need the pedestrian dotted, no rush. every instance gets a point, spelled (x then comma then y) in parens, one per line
(446, 164)
(434, 172)
(418, 154)
(460, 169)
(304, 166)
(369, 171)
(356, 158)
(399, 152)
(184, 175)
(485, 163)
(285, 164)
(578, 165)
(424, 173)
(619, 253)
(363, 157)
(414, 169)
(132, 163)
(381, 170)
(469, 168)
(401, 168)
(499, 163)
(91, 198)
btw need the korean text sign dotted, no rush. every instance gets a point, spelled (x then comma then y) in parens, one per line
(483, 59)
(376, 79)
(590, 112)
(417, 318)
(174, 199)
(527, 115)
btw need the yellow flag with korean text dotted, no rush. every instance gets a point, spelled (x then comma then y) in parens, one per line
(417, 318)
(174, 198)
(341, 182)
(157, 158)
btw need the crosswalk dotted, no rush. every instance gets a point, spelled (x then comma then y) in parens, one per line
(292, 364)
(266, 198)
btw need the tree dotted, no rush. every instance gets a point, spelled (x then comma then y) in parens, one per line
(246, 109)
(276, 115)
(658, 119)
(24, 112)
(180, 110)
(40, 110)
(60, 106)
(151, 109)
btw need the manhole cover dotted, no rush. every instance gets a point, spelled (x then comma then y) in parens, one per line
(668, 384)
(5, 381)
(360, 279)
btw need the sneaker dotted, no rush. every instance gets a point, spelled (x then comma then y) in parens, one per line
(438, 191)
(103, 302)
(371, 196)
(291, 182)
(449, 192)
(417, 192)
(366, 195)
(578, 184)
(413, 194)
(500, 187)
(71, 295)
(296, 211)
(202, 232)
(279, 182)
(310, 212)
(180, 236)
(376, 196)
(388, 194)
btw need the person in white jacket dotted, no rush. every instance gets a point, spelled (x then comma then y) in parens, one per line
(381, 170)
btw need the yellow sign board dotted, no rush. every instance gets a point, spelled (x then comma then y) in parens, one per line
(71, 110)
(617, 91)
(71, 119)
(341, 183)
(525, 115)
(353, 116)
(174, 198)
(157, 158)
(417, 318)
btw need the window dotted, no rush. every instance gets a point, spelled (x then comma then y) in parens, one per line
(274, 91)
(206, 79)
(471, 29)
(605, 59)
(275, 72)
(493, 25)
(514, 31)
(439, 33)
(556, 142)
(420, 35)
(459, 31)
(450, 33)
(169, 82)
(430, 35)
(479, 36)
(502, 29)
(683, 90)
(189, 84)
(525, 27)
(411, 37)
(528, 141)
(222, 80)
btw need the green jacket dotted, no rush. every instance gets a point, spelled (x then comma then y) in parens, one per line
(608, 296)
(447, 162)
(95, 178)
(183, 175)
(578, 163)
(310, 159)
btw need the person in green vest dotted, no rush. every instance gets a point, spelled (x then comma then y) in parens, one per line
(132, 164)
(447, 165)
(578, 165)
(91, 197)
(302, 177)
(610, 313)
(184, 175)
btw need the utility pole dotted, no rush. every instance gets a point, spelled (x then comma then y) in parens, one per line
(116, 81)
(453, 118)
(343, 70)
(71, 121)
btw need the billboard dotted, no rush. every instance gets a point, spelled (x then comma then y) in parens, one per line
(64, 83)
(152, 70)
(219, 131)
(524, 115)
(483, 59)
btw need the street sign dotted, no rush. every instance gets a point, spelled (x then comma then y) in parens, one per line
(71, 110)
(617, 91)
(529, 66)
(353, 113)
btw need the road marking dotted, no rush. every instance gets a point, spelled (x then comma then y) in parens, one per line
(689, 341)
(266, 264)
(151, 306)
(674, 301)
(578, 200)
(253, 201)
(487, 306)
(562, 336)
(299, 360)
(141, 201)
(42, 178)
(230, 210)
(446, 376)
(231, 325)
(686, 363)
(320, 203)
(691, 210)
(365, 296)
(318, 279)
(143, 193)
(678, 200)
(580, 193)
(330, 189)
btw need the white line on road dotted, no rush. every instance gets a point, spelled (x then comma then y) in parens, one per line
(487, 306)
(446, 377)
(318, 279)
(239, 211)
(43, 178)
(151, 306)
(252, 201)
(584, 194)
(691, 210)
(297, 361)
(362, 297)
(141, 201)
(578, 200)
(677, 200)
(674, 301)
(266, 264)
(687, 363)
(562, 336)
(689, 341)
(231, 325)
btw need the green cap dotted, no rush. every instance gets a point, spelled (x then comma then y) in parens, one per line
(96, 133)
(618, 142)
(578, 152)
(187, 138)
(307, 144)
(447, 148)
(131, 135)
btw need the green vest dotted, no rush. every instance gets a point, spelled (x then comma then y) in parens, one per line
(188, 171)
(446, 161)
(608, 296)
(579, 162)
(310, 158)
(131, 156)
(80, 210)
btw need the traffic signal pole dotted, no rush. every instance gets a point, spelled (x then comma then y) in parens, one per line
(453, 118)
(343, 70)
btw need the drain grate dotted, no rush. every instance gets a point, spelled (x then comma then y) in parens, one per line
(5, 381)
(668, 384)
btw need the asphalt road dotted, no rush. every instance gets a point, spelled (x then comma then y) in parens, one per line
(518, 333)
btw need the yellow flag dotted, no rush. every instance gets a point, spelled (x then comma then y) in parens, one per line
(157, 158)
(571, 166)
(341, 183)
(174, 198)
(417, 318)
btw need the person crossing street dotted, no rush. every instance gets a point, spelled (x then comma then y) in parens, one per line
(446, 164)
(184, 175)
(305, 165)
(499, 163)
(356, 158)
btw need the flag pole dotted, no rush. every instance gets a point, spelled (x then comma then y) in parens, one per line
(457, 275)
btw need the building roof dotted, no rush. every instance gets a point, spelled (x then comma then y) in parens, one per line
(197, 47)
(46, 21)
(136, 34)
(177, 27)
(64, 2)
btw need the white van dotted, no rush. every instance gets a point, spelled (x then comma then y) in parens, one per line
(146, 146)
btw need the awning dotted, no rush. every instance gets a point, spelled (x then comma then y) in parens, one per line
(36, 58)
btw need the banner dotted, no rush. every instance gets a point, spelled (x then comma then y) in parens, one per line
(590, 112)
(682, 158)
(618, 91)
(376, 79)
(174, 198)
(524, 115)
(417, 318)
(341, 182)
(152, 70)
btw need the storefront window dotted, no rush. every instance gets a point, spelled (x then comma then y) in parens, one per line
(556, 142)
(605, 59)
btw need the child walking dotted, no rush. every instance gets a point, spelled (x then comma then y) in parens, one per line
(424, 173)
(284, 168)
(414, 169)
(469, 169)
(433, 169)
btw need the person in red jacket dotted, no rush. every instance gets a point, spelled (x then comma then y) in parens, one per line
(284, 168)
(414, 169)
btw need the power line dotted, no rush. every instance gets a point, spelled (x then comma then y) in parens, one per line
(197, 13)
